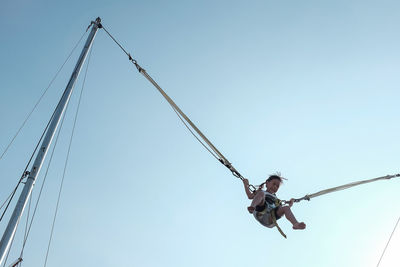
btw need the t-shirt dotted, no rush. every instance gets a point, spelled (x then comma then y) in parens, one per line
(269, 203)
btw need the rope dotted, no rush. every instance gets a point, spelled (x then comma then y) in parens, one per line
(388, 242)
(182, 116)
(67, 158)
(59, 193)
(5, 201)
(15, 189)
(343, 187)
(45, 176)
(195, 136)
(39, 100)
(18, 262)
(213, 150)
(41, 188)
(26, 225)
(25, 172)
(11, 244)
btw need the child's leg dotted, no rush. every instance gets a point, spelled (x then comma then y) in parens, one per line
(290, 217)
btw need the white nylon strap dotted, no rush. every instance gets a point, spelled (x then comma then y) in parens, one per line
(342, 187)
(175, 107)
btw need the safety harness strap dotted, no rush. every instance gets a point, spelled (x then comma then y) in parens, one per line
(276, 224)
(278, 203)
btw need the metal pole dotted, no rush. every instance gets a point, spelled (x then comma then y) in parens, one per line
(37, 165)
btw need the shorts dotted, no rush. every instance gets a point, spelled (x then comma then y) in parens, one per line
(266, 218)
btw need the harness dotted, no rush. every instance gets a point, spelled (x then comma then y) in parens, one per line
(271, 203)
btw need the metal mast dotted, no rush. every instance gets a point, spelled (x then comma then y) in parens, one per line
(37, 165)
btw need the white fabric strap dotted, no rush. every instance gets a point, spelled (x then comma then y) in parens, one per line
(342, 187)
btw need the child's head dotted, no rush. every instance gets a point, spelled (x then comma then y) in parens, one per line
(273, 183)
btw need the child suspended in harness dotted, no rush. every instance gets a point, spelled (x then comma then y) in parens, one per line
(266, 207)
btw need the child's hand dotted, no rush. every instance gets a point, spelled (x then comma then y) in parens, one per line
(250, 209)
(245, 181)
(291, 201)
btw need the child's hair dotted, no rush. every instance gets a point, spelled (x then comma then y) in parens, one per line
(276, 176)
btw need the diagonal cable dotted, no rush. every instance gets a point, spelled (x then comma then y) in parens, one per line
(38, 143)
(387, 244)
(39, 100)
(42, 186)
(67, 158)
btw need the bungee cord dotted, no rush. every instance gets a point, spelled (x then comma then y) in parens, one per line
(213, 150)
(218, 155)
(185, 119)
(346, 186)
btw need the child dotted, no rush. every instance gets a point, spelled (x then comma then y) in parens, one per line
(265, 203)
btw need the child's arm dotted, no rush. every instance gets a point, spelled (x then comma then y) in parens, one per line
(249, 194)
(257, 200)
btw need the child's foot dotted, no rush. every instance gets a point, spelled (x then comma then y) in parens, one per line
(299, 226)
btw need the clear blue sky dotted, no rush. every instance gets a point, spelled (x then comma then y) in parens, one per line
(307, 88)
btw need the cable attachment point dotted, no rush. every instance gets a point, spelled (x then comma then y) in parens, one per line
(231, 168)
(252, 188)
(97, 22)
(226, 163)
(306, 197)
(140, 69)
(23, 176)
(236, 174)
